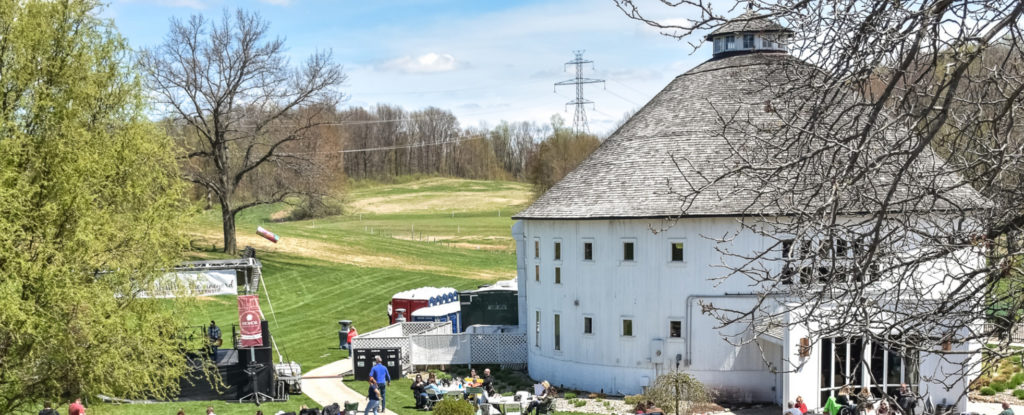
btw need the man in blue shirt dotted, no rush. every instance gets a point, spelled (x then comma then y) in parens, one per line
(383, 378)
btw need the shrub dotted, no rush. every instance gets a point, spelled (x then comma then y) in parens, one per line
(454, 407)
(579, 402)
(997, 386)
(1015, 359)
(1018, 378)
(570, 395)
(987, 391)
(632, 400)
(1001, 379)
(1019, 393)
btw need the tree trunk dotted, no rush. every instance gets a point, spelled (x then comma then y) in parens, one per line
(228, 220)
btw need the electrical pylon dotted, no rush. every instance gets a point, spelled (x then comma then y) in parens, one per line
(579, 119)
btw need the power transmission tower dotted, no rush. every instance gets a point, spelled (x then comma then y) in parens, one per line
(579, 119)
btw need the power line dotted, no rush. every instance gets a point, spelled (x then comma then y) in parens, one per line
(579, 119)
(394, 147)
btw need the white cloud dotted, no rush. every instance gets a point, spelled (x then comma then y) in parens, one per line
(426, 63)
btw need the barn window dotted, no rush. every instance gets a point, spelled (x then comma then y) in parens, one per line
(536, 273)
(748, 41)
(588, 251)
(627, 251)
(627, 327)
(842, 248)
(845, 361)
(675, 329)
(536, 332)
(719, 44)
(536, 248)
(558, 251)
(787, 249)
(677, 251)
(730, 42)
(588, 325)
(558, 332)
(558, 275)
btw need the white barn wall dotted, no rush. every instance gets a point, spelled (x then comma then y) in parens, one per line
(652, 290)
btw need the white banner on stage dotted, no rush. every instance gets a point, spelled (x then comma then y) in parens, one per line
(193, 284)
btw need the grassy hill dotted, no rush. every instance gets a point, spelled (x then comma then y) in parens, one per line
(436, 231)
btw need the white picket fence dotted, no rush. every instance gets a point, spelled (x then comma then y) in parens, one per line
(432, 344)
(468, 348)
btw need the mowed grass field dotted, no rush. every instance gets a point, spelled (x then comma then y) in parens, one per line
(429, 232)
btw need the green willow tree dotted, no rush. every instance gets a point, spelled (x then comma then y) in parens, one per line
(90, 206)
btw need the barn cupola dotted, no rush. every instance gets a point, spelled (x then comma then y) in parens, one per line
(749, 33)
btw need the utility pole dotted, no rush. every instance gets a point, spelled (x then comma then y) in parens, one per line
(579, 119)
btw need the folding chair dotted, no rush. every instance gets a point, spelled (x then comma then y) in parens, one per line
(515, 408)
(433, 399)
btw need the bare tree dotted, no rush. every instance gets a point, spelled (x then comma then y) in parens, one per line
(883, 167)
(239, 103)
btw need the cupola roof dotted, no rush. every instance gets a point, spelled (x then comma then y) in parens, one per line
(749, 22)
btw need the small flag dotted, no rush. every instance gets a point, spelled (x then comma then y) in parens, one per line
(272, 237)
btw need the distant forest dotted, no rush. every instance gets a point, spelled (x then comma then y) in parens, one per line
(387, 141)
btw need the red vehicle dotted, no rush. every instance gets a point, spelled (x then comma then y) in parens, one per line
(418, 298)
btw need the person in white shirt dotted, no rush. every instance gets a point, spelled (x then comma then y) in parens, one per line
(793, 410)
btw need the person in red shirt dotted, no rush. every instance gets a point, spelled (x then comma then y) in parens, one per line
(76, 407)
(801, 405)
(351, 335)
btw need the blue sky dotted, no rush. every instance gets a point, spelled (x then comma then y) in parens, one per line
(486, 61)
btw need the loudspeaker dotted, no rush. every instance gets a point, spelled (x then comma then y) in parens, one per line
(263, 355)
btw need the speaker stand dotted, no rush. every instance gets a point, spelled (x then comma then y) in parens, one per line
(253, 370)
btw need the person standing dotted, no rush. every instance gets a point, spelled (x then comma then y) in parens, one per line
(352, 333)
(382, 378)
(213, 332)
(48, 410)
(391, 320)
(76, 407)
(1006, 409)
(375, 396)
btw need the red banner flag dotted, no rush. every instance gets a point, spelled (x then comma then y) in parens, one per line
(249, 317)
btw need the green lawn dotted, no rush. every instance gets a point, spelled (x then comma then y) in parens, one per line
(446, 227)
(198, 408)
(349, 266)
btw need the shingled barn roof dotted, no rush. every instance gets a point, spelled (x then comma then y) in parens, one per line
(748, 22)
(676, 140)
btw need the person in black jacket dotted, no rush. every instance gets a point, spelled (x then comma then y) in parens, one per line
(48, 409)
(418, 392)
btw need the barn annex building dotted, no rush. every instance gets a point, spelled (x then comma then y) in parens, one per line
(608, 304)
